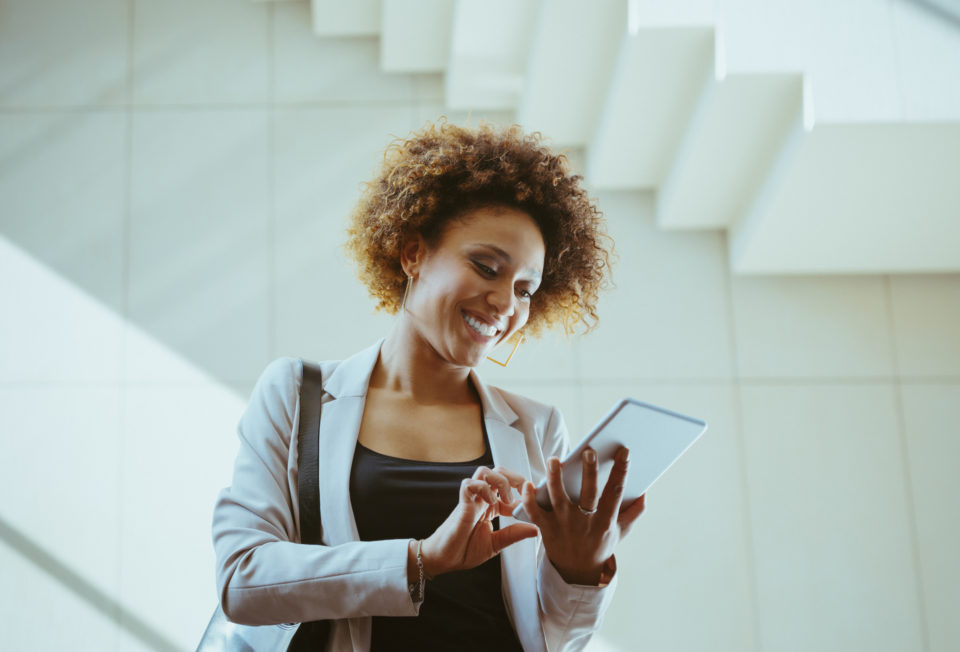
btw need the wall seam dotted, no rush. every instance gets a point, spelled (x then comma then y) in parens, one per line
(748, 534)
(272, 281)
(127, 200)
(906, 466)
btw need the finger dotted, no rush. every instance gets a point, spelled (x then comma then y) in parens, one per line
(515, 479)
(630, 514)
(500, 482)
(588, 485)
(505, 508)
(558, 495)
(473, 491)
(512, 534)
(467, 513)
(514, 486)
(528, 496)
(485, 492)
(468, 502)
(612, 494)
(497, 480)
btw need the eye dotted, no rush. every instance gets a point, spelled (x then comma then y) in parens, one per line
(483, 268)
(525, 294)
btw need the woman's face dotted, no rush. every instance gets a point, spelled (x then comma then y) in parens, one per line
(472, 289)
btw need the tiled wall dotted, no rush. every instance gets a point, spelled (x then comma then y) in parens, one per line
(174, 180)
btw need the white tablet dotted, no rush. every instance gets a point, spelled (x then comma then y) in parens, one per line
(656, 437)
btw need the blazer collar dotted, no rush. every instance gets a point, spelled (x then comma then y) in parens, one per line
(494, 407)
(352, 378)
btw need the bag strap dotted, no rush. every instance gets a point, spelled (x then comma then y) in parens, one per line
(308, 462)
(315, 635)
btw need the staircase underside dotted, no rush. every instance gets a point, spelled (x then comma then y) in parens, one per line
(654, 108)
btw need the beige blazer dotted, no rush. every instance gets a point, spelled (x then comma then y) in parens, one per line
(264, 578)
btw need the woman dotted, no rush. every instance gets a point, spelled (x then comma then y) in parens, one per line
(469, 236)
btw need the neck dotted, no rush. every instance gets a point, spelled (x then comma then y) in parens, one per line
(409, 365)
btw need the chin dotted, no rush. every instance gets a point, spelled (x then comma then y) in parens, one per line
(471, 359)
(472, 363)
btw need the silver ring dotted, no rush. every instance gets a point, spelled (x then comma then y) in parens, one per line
(588, 512)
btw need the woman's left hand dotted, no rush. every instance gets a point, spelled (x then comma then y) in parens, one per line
(580, 539)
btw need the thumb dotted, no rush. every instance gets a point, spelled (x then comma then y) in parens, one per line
(512, 534)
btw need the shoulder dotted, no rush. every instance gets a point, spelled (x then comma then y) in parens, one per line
(275, 401)
(277, 392)
(284, 376)
(281, 374)
(275, 396)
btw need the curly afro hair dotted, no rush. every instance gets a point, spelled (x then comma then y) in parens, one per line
(443, 170)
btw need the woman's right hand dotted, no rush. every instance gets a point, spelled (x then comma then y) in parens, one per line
(466, 538)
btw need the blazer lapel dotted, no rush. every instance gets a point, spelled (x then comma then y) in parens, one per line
(340, 420)
(342, 412)
(519, 568)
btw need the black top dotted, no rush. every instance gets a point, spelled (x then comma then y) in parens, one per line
(395, 498)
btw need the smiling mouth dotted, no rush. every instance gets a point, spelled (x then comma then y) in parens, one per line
(479, 327)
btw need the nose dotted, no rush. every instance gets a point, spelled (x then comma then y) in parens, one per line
(502, 299)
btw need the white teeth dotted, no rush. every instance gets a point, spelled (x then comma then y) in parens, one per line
(484, 329)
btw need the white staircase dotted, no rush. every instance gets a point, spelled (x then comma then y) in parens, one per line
(823, 136)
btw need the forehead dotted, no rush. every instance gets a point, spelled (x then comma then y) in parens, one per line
(506, 228)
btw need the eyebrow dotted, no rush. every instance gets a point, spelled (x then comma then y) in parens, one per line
(503, 254)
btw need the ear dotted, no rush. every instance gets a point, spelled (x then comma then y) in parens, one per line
(412, 252)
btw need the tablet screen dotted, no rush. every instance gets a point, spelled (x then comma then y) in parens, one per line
(656, 437)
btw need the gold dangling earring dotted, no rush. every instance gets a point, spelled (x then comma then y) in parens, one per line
(515, 346)
(406, 290)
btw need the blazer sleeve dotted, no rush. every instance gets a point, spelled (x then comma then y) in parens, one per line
(569, 613)
(264, 576)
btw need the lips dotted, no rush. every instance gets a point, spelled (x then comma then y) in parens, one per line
(482, 326)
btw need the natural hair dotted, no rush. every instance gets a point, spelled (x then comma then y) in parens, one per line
(443, 170)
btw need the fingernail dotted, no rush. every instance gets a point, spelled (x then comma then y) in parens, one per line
(554, 464)
(623, 455)
(591, 456)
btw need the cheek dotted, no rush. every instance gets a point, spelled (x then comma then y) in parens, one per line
(457, 284)
(444, 291)
(522, 316)
(438, 280)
